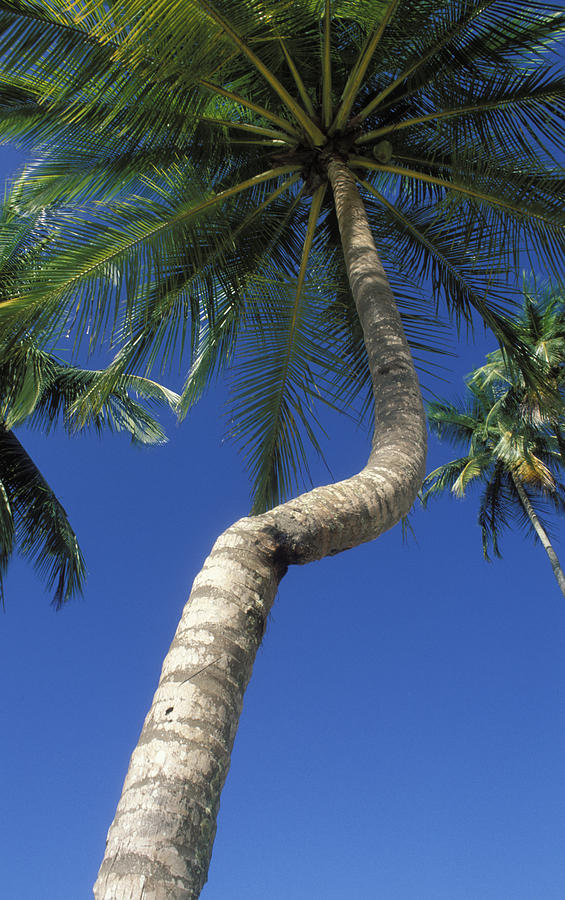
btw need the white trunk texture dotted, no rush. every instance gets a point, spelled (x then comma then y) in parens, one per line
(160, 842)
(541, 533)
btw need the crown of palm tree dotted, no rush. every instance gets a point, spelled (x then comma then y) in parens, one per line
(541, 329)
(180, 155)
(513, 435)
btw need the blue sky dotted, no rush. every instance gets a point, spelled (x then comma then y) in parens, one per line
(403, 733)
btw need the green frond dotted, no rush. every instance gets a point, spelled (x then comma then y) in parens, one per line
(272, 432)
(501, 101)
(456, 422)
(38, 389)
(549, 217)
(474, 468)
(495, 511)
(116, 250)
(274, 391)
(511, 206)
(260, 110)
(214, 352)
(40, 528)
(116, 410)
(229, 25)
(204, 303)
(443, 478)
(540, 327)
(445, 254)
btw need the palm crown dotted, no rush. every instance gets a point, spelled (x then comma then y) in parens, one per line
(180, 155)
(541, 329)
(513, 436)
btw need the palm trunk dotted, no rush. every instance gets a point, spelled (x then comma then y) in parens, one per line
(541, 533)
(160, 843)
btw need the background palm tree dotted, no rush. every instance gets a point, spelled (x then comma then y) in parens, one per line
(40, 391)
(540, 328)
(183, 158)
(513, 434)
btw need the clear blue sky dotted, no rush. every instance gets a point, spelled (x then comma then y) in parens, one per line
(403, 736)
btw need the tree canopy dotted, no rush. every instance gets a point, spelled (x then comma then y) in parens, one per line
(179, 158)
(513, 434)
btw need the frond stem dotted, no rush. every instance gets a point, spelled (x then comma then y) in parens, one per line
(363, 163)
(311, 129)
(449, 113)
(313, 216)
(280, 136)
(304, 95)
(326, 67)
(243, 101)
(358, 71)
(275, 144)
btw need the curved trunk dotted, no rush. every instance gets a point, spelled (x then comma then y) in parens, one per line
(541, 532)
(160, 842)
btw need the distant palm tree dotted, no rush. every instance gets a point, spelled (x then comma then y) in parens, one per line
(218, 175)
(40, 391)
(540, 330)
(512, 432)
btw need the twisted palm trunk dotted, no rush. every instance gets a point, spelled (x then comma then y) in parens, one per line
(541, 532)
(160, 843)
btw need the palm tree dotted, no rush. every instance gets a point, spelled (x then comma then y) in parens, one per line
(215, 176)
(512, 434)
(40, 391)
(540, 329)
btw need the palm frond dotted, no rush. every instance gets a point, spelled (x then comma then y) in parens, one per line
(444, 478)
(39, 389)
(41, 529)
(495, 512)
(268, 419)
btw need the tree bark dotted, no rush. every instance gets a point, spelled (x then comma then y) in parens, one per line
(541, 532)
(160, 842)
